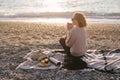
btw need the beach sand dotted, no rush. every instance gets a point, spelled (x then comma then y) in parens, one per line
(19, 38)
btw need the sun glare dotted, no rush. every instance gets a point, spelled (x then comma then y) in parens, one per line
(52, 5)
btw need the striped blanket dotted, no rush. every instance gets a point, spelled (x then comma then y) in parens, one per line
(96, 59)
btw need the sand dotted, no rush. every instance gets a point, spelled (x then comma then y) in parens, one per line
(19, 38)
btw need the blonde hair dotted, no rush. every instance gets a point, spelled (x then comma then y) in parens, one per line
(80, 18)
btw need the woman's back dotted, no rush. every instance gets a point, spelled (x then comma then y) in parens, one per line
(77, 36)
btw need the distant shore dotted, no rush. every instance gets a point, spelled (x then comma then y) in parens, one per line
(18, 38)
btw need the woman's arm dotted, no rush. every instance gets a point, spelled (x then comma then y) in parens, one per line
(70, 39)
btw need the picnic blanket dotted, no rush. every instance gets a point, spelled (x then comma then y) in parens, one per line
(97, 59)
(103, 60)
(31, 64)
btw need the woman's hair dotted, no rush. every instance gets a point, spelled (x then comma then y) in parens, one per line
(80, 18)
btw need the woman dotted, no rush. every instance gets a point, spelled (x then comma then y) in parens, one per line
(75, 42)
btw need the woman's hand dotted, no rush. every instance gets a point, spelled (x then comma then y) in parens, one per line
(69, 26)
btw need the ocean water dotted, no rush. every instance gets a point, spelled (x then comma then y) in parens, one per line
(31, 9)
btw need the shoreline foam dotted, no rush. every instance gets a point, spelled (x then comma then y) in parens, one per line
(60, 17)
(59, 20)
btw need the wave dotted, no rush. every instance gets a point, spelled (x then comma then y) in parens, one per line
(59, 15)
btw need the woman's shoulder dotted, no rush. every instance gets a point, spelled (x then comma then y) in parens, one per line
(81, 29)
(77, 30)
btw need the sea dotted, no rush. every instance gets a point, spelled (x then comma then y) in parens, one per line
(59, 10)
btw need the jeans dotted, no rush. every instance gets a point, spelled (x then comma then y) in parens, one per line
(66, 48)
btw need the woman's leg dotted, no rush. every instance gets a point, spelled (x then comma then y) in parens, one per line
(71, 62)
(66, 48)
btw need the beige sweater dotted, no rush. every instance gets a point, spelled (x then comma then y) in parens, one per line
(76, 40)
